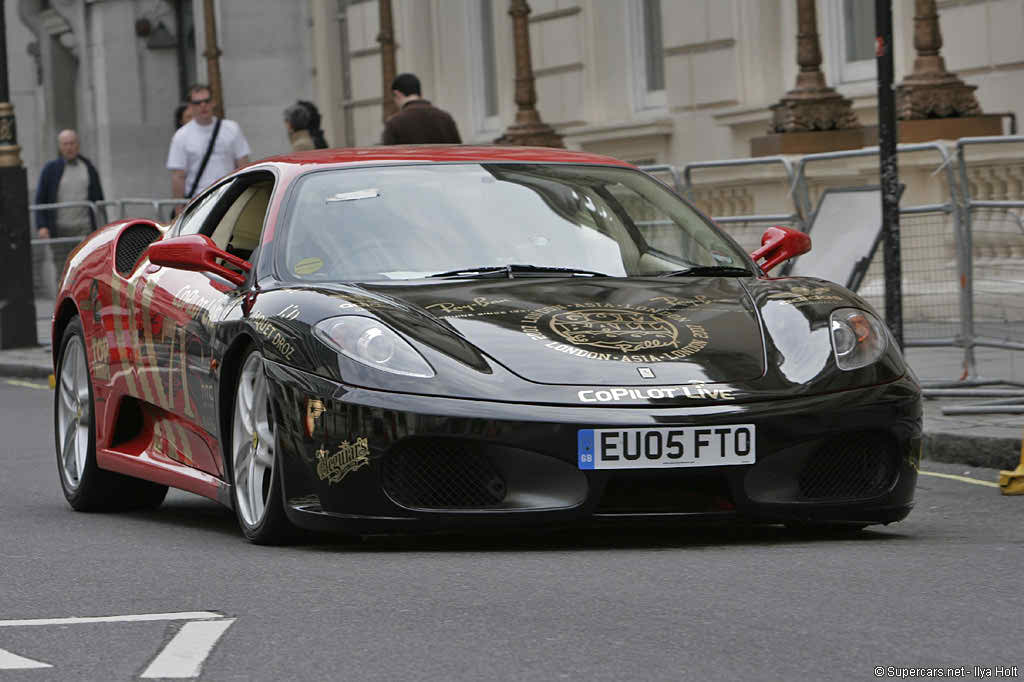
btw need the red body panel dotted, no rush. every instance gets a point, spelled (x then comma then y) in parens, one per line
(136, 341)
(443, 154)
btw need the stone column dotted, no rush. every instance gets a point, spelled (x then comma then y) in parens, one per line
(17, 298)
(388, 69)
(212, 55)
(931, 91)
(811, 105)
(528, 128)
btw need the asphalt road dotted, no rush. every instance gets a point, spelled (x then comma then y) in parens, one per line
(943, 588)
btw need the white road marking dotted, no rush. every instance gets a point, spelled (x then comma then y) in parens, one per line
(184, 655)
(184, 615)
(27, 384)
(964, 479)
(9, 661)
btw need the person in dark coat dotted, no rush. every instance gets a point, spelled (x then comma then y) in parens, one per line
(417, 120)
(69, 177)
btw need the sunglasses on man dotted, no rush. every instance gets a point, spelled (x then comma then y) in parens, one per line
(197, 102)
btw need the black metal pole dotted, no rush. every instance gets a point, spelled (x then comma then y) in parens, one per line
(889, 170)
(17, 298)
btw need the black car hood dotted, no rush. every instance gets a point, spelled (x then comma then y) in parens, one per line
(602, 331)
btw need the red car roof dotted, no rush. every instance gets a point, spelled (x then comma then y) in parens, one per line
(444, 153)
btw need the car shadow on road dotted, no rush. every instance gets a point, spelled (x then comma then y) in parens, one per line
(587, 539)
(192, 512)
(201, 515)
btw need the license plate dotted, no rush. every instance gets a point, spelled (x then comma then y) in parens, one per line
(664, 448)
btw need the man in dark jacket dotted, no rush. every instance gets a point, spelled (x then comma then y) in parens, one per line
(417, 120)
(69, 177)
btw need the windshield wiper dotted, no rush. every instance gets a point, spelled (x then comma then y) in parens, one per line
(709, 271)
(513, 269)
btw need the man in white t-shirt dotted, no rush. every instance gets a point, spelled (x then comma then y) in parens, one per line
(190, 142)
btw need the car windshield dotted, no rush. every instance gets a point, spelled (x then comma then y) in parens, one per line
(503, 219)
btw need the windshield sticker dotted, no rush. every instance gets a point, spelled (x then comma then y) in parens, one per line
(347, 458)
(308, 266)
(353, 196)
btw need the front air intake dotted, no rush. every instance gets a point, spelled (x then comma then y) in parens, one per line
(442, 474)
(132, 244)
(854, 466)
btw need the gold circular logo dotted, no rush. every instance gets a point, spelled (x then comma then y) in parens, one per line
(621, 332)
(621, 329)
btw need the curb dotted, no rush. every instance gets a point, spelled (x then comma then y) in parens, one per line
(977, 451)
(33, 371)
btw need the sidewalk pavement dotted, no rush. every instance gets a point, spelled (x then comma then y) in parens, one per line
(978, 440)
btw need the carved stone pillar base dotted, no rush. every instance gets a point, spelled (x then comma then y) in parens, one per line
(812, 110)
(935, 95)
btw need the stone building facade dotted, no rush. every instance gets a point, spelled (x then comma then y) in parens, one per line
(652, 81)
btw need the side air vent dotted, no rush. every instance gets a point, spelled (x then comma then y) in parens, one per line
(130, 245)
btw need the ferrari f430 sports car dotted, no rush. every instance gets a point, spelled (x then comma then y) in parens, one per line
(429, 338)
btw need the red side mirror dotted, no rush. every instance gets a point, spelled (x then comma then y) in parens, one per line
(197, 252)
(779, 244)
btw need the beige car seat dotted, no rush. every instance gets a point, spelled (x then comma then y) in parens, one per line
(242, 223)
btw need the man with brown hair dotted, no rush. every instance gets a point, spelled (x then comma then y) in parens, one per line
(417, 120)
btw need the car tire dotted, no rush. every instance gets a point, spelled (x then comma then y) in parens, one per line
(87, 487)
(256, 479)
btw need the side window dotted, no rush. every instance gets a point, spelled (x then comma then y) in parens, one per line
(239, 218)
(193, 221)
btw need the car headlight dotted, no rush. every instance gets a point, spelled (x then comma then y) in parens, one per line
(858, 338)
(372, 343)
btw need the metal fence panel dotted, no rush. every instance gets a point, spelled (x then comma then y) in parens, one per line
(931, 286)
(997, 236)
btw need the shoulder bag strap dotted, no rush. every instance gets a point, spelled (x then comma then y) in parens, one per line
(206, 158)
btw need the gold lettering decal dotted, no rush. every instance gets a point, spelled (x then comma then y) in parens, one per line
(347, 458)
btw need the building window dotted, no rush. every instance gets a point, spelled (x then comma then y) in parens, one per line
(484, 66)
(648, 54)
(851, 40)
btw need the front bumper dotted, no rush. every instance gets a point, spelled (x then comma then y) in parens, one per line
(362, 461)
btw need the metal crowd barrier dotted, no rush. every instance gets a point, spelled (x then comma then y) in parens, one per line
(49, 255)
(929, 286)
(995, 311)
(946, 304)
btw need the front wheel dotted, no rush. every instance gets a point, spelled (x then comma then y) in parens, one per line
(257, 481)
(87, 487)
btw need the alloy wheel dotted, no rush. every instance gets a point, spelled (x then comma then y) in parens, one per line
(74, 410)
(252, 442)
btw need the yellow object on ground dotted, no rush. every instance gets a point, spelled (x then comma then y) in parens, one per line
(1012, 482)
(52, 380)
